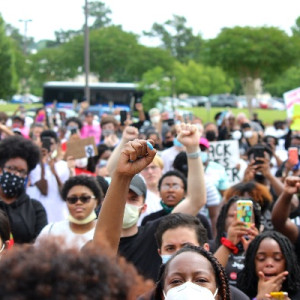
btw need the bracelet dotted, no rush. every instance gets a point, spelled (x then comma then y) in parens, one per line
(194, 154)
(230, 245)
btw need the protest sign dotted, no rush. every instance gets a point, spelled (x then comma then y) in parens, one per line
(227, 154)
(79, 148)
(291, 98)
(296, 117)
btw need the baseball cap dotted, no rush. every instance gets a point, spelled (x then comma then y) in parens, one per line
(204, 142)
(138, 186)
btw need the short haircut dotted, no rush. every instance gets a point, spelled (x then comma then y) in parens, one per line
(18, 146)
(173, 221)
(50, 134)
(176, 174)
(75, 120)
(108, 119)
(88, 181)
(49, 270)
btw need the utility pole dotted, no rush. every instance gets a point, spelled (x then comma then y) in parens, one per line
(25, 34)
(86, 54)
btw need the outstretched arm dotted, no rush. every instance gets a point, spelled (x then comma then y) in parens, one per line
(134, 157)
(282, 209)
(130, 133)
(189, 136)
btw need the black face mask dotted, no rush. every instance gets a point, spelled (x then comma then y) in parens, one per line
(168, 144)
(12, 185)
(211, 135)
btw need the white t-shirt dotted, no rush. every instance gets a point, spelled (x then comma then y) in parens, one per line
(55, 206)
(63, 229)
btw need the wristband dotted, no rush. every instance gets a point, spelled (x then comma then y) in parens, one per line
(230, 245)
(194, 154)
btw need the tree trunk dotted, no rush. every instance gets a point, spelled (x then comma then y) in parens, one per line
(250, 89)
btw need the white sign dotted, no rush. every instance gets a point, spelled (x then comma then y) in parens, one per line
(291, 98)
(227, 154)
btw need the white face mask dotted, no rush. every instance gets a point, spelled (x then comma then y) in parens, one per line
(165, 258)
(236, 135)
(155, 119)
(190, 291)
(81, 162)
(131, 215)
(248, 134)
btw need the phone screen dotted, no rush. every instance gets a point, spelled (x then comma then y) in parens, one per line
(245, 211)
(123, 116)
(46, 143)
(259, 153)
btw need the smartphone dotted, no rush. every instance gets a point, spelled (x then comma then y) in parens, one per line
(46, 143)
(293, 156)
(73, 130)
(259, 152)
(245, 211)
(279, 295)
(123, 117)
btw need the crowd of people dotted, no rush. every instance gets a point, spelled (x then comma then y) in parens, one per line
(150, 214)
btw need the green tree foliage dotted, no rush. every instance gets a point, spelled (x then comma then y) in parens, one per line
(289, 80)
(196, 79)
(100, 12)
(296, 28)
(8, 78)
(177, 38)
(155, 84)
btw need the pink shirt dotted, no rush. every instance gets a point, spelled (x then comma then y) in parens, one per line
(91, 130)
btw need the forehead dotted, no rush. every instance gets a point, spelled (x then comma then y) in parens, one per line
(190, 262)
(269, 245)
(232, 208)
(79, 190)
(171, 180)
(180, 235)
(17, 162)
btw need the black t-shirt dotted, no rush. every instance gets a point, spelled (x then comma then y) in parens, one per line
(141, 250)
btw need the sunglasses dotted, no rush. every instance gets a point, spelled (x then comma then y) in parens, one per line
(83, 199)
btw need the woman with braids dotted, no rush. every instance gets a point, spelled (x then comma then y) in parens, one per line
(270, 266)
(192, 273)
(82, 194)
(233, 238)
(27, 217)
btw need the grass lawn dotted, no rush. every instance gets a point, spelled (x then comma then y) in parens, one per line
(268, 116)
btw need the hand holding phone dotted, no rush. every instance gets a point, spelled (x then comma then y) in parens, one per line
(46, 143)
(258, 152)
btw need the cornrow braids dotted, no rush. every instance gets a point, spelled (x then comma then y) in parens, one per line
(247, 278)
(223, 215)
(220, 275)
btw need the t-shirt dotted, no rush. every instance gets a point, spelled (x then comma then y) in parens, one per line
(63, 229)
(91, 130)
(141, 250)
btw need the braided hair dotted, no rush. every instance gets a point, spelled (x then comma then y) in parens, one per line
(223, 215)
(247, 278)
(219, 272)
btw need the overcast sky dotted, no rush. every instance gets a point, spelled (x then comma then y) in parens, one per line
(205, 17)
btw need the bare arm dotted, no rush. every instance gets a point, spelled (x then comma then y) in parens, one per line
(189, 136)
(282, 209)
(6, 130)
(134, 157)
(130, 133)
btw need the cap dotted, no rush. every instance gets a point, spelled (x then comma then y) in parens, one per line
(138, 185)
(204, 142)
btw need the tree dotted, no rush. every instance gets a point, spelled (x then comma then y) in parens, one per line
(8, 78)
(182, 44)
(155, 84)
(296, 28)
(289, 80)
(100, 12)
(251, 54)
(196, 79)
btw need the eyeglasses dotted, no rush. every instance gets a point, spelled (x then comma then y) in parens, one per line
(83, 199)
(15, 171)
(175, 187)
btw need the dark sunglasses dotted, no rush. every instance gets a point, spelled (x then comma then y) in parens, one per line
(83, 199)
